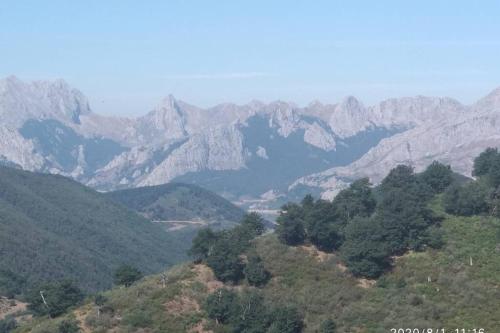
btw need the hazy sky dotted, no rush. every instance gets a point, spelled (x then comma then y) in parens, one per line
(126, 55)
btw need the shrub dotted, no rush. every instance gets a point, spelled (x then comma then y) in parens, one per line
(68, 326)
(58, 298)
(126, 275)
(328, 326)
(7, 325)
(221, 305)
(255, 272)
(286, 320)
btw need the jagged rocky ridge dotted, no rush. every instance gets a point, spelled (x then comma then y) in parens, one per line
(254, 153)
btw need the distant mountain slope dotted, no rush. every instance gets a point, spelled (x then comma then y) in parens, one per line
(52, 227)
(182, 202)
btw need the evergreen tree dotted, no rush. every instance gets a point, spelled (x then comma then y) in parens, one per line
(202, 244)
(290, 228)
(357, 200)
(484, 162)
(126, 275)
(365, 250)
(225, 260)
(438, 176)
(53, 299)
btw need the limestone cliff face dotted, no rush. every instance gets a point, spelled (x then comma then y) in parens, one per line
(49, 126)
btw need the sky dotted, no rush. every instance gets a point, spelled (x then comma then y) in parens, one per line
(125, 56)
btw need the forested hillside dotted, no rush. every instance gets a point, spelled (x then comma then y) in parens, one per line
(417, 251)
(52, 228)
(182, 202)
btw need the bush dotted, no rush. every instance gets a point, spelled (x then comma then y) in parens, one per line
(225, 261)
(286, 320)
(467, 200)
(438, 176)
(7, 325)
(58, 298)
(126, 275)
(221, 305)
(68, 326)
(255, 272)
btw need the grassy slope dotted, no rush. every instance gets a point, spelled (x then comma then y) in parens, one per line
(459, 295)
(52, 227)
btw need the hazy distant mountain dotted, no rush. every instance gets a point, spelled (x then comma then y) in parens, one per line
(253, 154)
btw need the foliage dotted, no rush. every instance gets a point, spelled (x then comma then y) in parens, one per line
(53, 299)
(7, 325)
(438, 176)
(125, 275)
(52, 228)
(286, 320)
(328, 326)
(290, 228)
(221, 305)
(178, 201)
(202, 244)
(365, 250)
(357, 200)
(68, 326)
(225, 260)
(11, 284)
(255, 272)
(467, 200)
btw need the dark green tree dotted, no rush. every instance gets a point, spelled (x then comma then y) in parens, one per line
(286, 320)
(365, 250)
(469, 199)
(323, 228)
(255, 272)
(53, 299)
(438, 176)
(328, 326)
(252, 313)
(126, 275)
(221, 305)
(225, 260)
(357, 200)
(253, 225)
(290, 228)
(484, 162)
(202, 244)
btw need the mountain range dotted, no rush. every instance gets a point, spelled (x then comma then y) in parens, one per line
(257, 155)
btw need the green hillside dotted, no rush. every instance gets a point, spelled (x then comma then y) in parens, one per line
(457, 295)
(421, 252)
(52, 228)
(180, 202)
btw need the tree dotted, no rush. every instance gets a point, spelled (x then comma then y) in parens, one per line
(252, 314)
(126, 275)
(357, 200)
(290, 229)
(255, 272)
(469, 199)
(202, 244)
(328, 326)
(225, 260)
(484, 162)
(438, 176)
(221, 305)
(68, 326)
(365, 250)
(53, 299)
(286, 320)
(253, 225)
